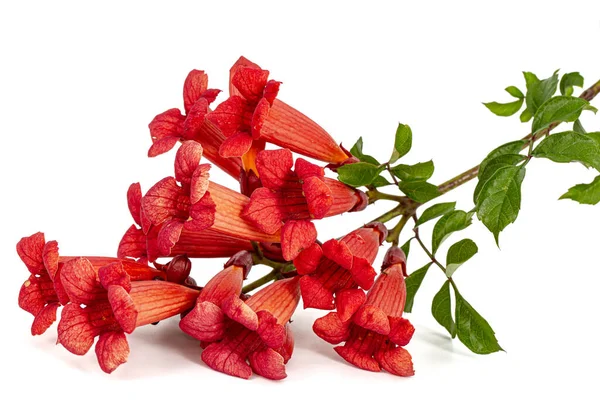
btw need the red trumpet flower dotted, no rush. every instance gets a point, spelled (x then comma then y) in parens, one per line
(43, 292)
(253, 113)
(171, 126)
(114, 305)
(257, 332)
(339, 266)
(192, 202)
(290, 199)
(39, 295)
(373, 329)
(143, 246)
(219, 299)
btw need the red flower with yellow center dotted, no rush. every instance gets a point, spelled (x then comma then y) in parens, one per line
(113, 305)
(252, 113)
(289, 199)
(170, 127)
(372, 328)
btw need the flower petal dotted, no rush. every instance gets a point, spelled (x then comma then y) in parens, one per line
(331, 329)
(165, 130)
(396, 361)
(195, 84)
(168, 236)
(270, 331)
(236, 145)
(134, 202)
(373, 319)
(241, 62)
(308, 260)
(123, 308)
(30, 250)
(271, 90)
(202, 213)
(288, 346)
(229, 115)
(362, 272)
(50, 258)
(199, 182)
(165, 200)
(210, 95)
(44, 319)
(315, 295)
(187, 160)
(356, 357)
(297, 235)
(264, 210)
(250, 82)
(275, 167)
(205, 322)
(31, 298)
(79, 279)
(53, 267)
(221, 358)
(339, 253)
(318, 197)
(348, 301)
(133, 244)
(75, 332)
(112, 350)
(401, 331)
(114, 274)
(305, 169)
(268, 363)
(240, 312)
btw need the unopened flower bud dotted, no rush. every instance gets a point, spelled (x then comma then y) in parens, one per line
(178, 269)
(241, 259)
(378, 226)
(394, 256)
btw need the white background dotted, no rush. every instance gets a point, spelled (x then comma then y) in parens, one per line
(79, 84)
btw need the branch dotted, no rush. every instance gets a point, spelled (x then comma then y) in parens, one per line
(466, 176)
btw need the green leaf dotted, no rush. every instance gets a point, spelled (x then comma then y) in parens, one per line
(358, 174)
(418, 172)
(473, 330)
(515, 92)
(419, 191)
(595, 136)
(558, 109)
(526, 115)
(585, 193)
(568, 81)
(459, 253)
(380, 181)
(530, 79)
(539, 91)
(413, 283)
(499, 200)
(454, 221)
(403, 142)
(504, 109)
(507, 148)
(406, 247)
(441, 308)
(577, 127)
(357, 151)
(570, 146)
(492, 166)
(435, 211)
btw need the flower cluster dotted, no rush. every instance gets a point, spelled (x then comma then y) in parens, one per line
(268, 218)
